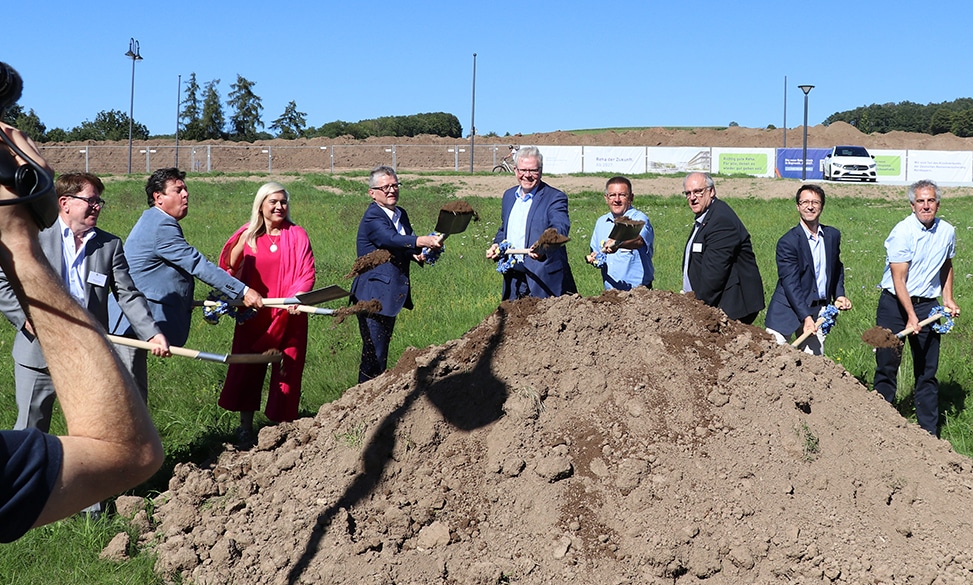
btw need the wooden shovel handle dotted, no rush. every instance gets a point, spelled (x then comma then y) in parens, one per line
(807, 334)
(923, 323)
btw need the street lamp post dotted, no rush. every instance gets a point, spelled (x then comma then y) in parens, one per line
(806, 89)
(473, 116)
(133, 53)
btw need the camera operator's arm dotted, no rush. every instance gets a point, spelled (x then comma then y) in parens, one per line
(111, 444)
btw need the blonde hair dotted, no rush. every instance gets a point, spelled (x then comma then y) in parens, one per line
(257, 227)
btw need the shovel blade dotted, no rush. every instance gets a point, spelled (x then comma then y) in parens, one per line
(322, 295)
(453, 223)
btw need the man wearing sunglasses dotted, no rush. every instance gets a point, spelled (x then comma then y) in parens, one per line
(719, 267)
(92, 266)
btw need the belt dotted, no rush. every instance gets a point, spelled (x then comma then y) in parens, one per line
(915, 300)
(819, 303)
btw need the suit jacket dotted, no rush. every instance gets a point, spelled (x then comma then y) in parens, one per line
(551, 275)
(722, 268)
(164, 267)
(797, 286)
(105, 258)
(389, 282)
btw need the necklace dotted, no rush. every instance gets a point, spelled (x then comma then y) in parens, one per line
(273, 243)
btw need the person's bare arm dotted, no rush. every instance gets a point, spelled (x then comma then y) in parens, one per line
(111, 444)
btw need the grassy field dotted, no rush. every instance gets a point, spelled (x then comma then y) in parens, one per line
(450, 298)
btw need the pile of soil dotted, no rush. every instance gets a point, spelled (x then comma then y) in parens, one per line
(636, 437)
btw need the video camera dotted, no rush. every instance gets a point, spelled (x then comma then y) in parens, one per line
(30, 181)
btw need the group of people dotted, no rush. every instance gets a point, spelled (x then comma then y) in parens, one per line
(112, 443)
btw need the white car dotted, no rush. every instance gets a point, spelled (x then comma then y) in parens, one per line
(849, 162)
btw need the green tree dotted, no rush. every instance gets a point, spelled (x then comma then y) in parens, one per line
(57, 135)
(108, 125)
(212, 121)
(963, 123)
(942, 122)
(246, 110)
(291, 124)
(27, 122)
(191, 114)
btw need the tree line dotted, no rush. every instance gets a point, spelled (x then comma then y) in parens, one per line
(937, 118)
(202, 117)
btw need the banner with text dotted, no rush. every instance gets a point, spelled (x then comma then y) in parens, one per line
(890, 164)
(757, 162)
(623, 160)
(945, 166)
(789, 162)
(561, 160)
(677, 159)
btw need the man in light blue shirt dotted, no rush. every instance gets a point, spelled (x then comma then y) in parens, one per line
(918, 269)
(625, 265)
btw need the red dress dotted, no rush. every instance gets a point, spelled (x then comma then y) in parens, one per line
(273, 274)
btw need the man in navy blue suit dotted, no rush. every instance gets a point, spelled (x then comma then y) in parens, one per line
(526, 211)
(386, 226)
(810, 274)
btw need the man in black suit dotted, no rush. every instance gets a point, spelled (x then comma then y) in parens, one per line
(810, 274)
(718, 265)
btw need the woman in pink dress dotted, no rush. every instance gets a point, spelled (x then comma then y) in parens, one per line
(273, 256)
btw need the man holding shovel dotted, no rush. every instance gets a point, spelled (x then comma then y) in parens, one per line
(527, 210)
(918, 269)
(626, 262)
(810, 275)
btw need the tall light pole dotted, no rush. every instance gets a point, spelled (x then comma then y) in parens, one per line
(473, 116)
(178, 96)
(785, 111)
(133, 53)
(806, 89)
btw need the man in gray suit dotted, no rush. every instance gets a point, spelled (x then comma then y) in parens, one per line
(92, 266)
(164, 266)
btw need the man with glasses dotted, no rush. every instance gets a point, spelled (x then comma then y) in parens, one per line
(810, 275)
(385, 226)
(628, 264)
(526, 211)
(92, 266)
(918, 269)
(719, 267)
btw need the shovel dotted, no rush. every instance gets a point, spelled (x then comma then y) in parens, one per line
(314, 297)
(240, 358)
(807, 334)
(301, 308)
(883, 338)
(625, 229)
(454, 218)
(549, 239)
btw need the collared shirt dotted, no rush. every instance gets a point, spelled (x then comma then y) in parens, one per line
(517, 220)
(816, 243)
(925, 249)
(686, 286)
(395, 215)
(74, 262)
(625, 269)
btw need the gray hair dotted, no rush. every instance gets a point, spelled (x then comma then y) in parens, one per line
(922, 184)
(706, 177)
(530, 152)
(381, 171)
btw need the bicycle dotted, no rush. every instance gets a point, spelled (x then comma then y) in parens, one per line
(507, 163)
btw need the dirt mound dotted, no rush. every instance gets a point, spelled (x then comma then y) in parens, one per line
(628, 438)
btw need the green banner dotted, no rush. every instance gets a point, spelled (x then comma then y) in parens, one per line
(743, 163)
(888, 165)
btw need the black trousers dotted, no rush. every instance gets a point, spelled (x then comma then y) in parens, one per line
(925, 359)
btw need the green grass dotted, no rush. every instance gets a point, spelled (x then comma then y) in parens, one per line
(450, 298)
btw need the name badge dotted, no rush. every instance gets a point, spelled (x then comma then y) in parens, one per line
(697, 247)
(97, 278)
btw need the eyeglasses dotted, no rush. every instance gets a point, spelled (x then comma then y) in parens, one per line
(91, 201)
(529, 171)
(388, 188)
(696, 192)
(809, 203)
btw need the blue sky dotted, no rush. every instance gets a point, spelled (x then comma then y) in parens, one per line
(541, 66)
